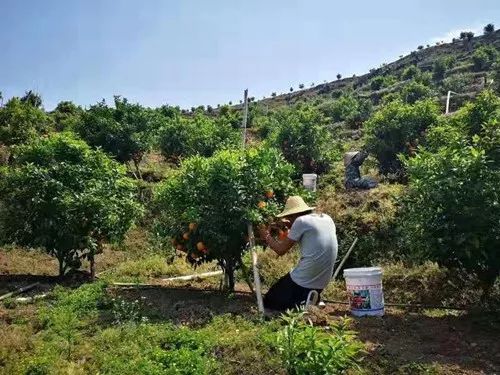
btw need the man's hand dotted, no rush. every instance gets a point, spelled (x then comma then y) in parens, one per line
(263, 232)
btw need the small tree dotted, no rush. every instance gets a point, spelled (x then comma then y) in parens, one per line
(205, 206)
(301, 86)
(126, 132)
(414, 91)
(273, 94)
(420, 48)
(303, 138)
(439, 69)
(32, 98)
(21, 122)
(484, 57)
(395, 128)
(291, 89)
(489, 29)
(339, 76)
(65, 198)
(66, 115)
(451, 214)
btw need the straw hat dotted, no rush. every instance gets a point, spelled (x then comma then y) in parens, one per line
(295, 205)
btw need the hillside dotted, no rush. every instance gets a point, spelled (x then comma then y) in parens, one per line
(423, 59)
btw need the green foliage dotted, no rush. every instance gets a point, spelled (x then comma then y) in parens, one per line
(219, 196)
(452, 212)
(380, 82)
(306, 349)
(66, 116)
(32, 98)
(414, 91)
(125, 132)
(440, 66)
(21, 122)
(347, 108)
(126, 312)
(199, 135)
(410, 72)
(64, 197)
(395, 128)
(458, 82)
(301, 134)
(484, 57)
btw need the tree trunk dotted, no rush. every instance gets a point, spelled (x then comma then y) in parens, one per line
(92, 266)
(136, 164)
(62, 267)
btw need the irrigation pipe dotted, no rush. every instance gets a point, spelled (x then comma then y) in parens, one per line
(19, 291)
(408, 306)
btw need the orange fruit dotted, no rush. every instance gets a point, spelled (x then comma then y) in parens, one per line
(261, 204)
(282, 235)
(200, 246)
(269, 194)
(192, 226)
(186, 236)
(179, 247)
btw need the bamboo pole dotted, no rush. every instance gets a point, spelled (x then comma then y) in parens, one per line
(344, 259)
(193, 277)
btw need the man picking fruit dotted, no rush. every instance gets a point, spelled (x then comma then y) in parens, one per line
(316, 235)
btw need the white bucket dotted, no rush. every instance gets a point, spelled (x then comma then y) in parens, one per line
(366, 296)
(309, 181)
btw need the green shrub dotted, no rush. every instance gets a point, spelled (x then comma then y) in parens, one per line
(484, 57)
(66, 115)
(451, 214)
(126, 132)
(380, 82)
(392, 130)
(300, 133)
(199, 135)
(440, 66)
(414, 91)
(306, 349)
(458, 82)
(410, 72)
(347, 108)
(21, 122)
(64, 197)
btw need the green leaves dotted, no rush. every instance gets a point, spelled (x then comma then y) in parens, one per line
(219, 195)
(64, 197)
(21, 122)
(397, 128)
(201, 135)
(452, 214)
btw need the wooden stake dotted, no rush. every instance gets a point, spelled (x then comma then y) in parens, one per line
(256, 276)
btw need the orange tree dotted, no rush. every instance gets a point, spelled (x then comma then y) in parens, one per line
(203, 210)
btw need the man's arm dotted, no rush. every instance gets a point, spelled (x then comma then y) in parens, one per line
(279, 247)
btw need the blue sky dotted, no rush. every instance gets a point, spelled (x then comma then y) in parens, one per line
(194, 52)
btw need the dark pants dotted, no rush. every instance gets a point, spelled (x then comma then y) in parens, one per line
(286, 294)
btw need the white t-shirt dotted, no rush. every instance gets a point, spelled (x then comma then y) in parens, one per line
(317, 237)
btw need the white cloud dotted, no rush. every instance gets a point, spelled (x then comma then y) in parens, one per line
(455, 33)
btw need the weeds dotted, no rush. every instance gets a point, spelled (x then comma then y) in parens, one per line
(306, 349)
